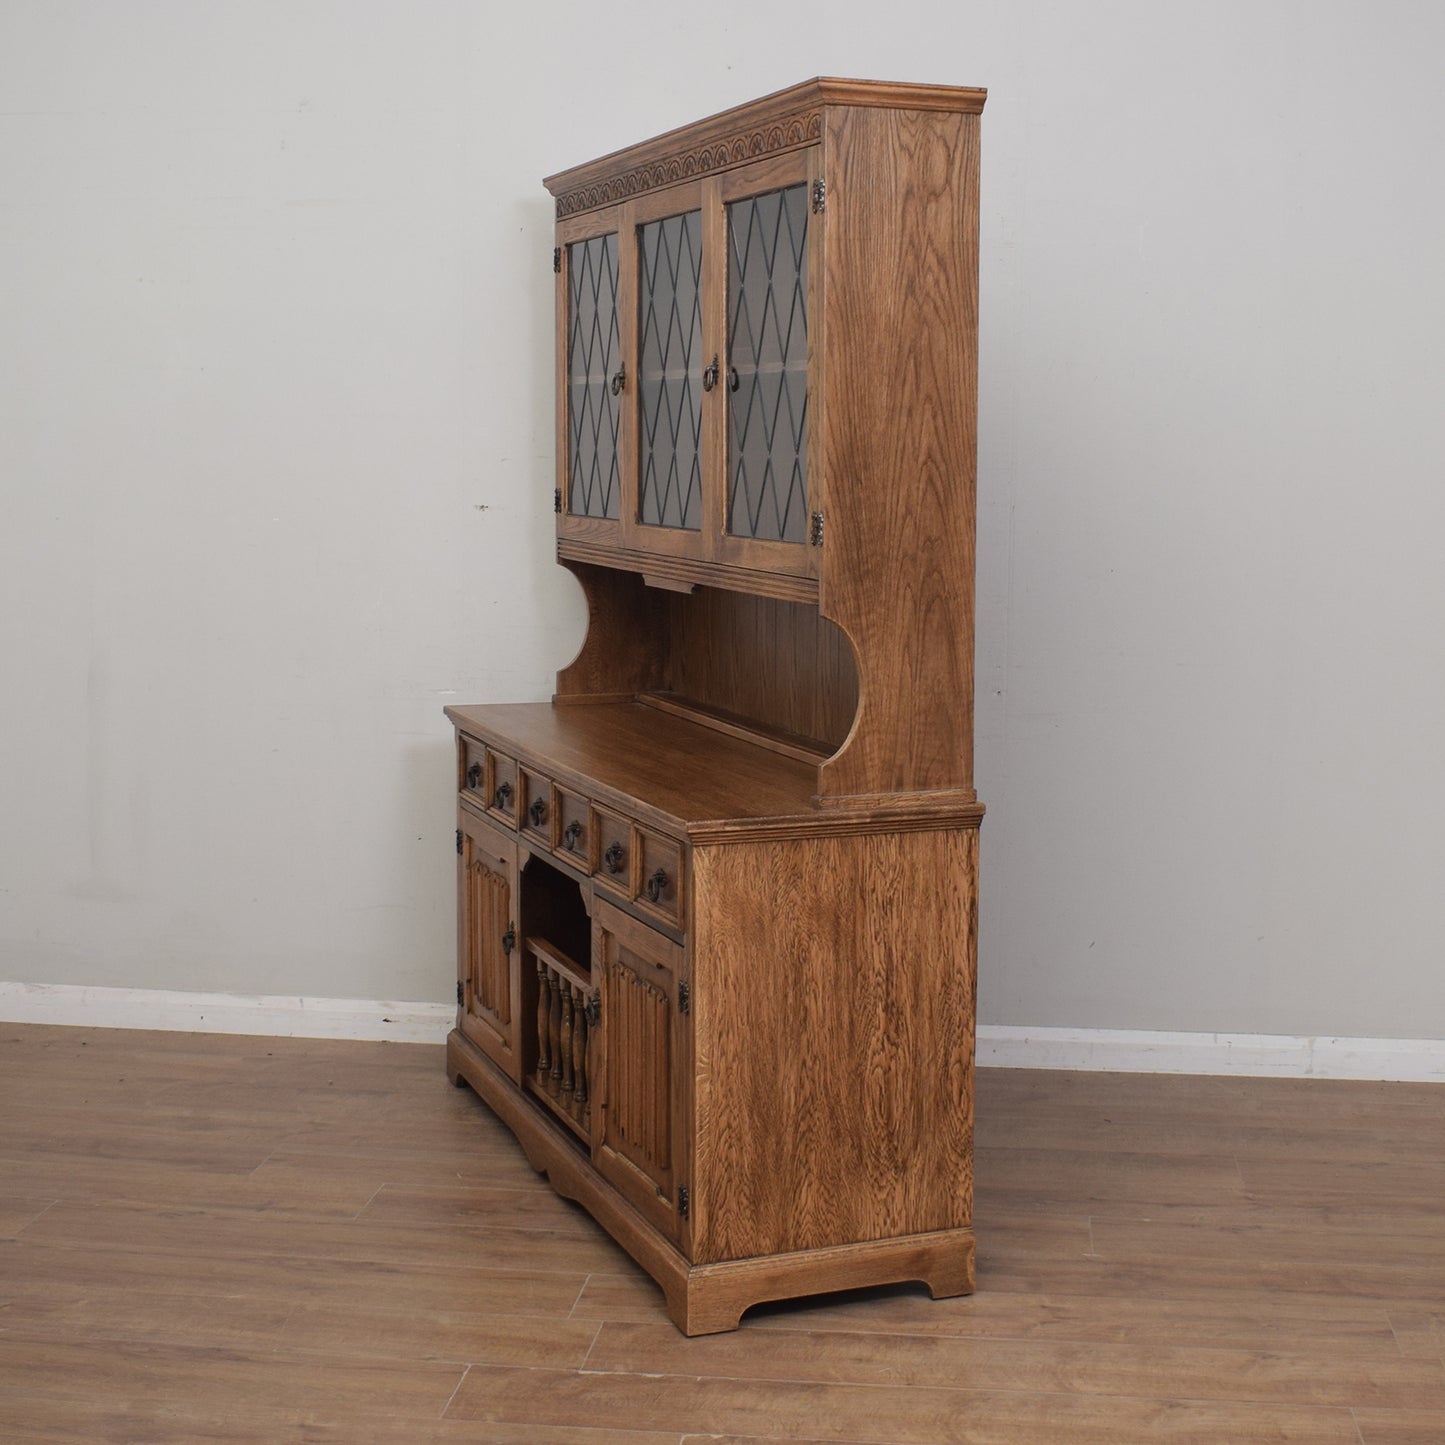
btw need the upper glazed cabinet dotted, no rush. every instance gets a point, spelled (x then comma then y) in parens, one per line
(688, 318)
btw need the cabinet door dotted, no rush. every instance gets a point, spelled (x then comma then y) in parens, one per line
(488, 995)
(640, 1141)
(592, 375)
(772, 260)
(771, 235)
(667, 422)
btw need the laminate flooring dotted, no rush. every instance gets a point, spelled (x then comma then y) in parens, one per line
(212, 1238)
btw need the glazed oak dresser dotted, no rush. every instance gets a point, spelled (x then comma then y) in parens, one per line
(718, 898)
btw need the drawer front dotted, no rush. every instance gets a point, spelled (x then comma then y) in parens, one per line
(613, 858)
(472, 760)
(502, 787)
(658, 886)
(574, 830)
(536, 807)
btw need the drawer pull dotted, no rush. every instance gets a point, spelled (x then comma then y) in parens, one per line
(538, 813)
(509, 940)
(474, 776)
(502, 798)
(614, 858)
(657, 886)
(571, 833)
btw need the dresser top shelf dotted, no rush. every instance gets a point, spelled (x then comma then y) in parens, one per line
(682, 774)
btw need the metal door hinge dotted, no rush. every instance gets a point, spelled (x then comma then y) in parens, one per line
(684, 996)
(557, 501)
(820, 195)
(683, 1201)
(557, 259)
(461, 995)
(815, 529)
(459, 842)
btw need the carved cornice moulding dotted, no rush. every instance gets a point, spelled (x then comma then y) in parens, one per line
(786, 120)
(790, 133)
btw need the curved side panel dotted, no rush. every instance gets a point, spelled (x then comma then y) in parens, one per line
(625, 649)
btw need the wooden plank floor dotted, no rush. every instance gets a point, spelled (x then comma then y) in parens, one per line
(208, 1238)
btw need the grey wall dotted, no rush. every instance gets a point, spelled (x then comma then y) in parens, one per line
(275, 451)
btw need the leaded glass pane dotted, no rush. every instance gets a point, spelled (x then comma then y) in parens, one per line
(669, 371)
(593, 355)
(768, 350)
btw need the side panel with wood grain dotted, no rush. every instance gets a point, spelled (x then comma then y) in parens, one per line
(833, 1020)
(898, 440)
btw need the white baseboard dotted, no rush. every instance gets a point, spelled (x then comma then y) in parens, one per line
(999, 1045)
(225, 1013)
(1145, 1051)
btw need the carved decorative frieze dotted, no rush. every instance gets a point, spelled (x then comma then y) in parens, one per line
(788, 133)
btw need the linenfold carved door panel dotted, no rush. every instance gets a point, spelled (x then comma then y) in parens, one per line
(640, 1140)
(487, 980)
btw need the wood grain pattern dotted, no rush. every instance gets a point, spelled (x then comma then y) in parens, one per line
(901, 261)
(776, 661)
(783, 1065)
(783, 121)
(830, 985)
(256, 1318)
(489, 999)
(620, 653)
(688, 570)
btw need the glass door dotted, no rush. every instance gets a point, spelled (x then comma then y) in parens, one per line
(667, 419)
(770, 230)
(591, 378)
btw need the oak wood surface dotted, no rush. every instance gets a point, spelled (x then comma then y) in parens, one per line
(775, 661)
(684, 776)
(834, 1080)
(785, 120)
(302, 1220)
(787, 1049)
(896, 440)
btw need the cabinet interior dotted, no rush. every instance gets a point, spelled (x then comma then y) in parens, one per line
(550, 894)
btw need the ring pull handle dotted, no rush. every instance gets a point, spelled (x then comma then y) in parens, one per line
(509, 940)
(710, 375)
(614, 857)
(502, 798)
(619, 379)
(571, 833)
(733, 382)
(474, 776)
(656, 886)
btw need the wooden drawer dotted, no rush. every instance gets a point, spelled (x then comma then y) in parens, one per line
(612, 861)
(574, 829)
(658, 885)
(501, 795)
(535, 807)
(472, 767)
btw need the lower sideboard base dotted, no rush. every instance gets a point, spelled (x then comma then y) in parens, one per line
(705, 1299)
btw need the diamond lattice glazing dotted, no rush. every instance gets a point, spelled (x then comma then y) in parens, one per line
(669, 372)
(592, 357)
(768, 347)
